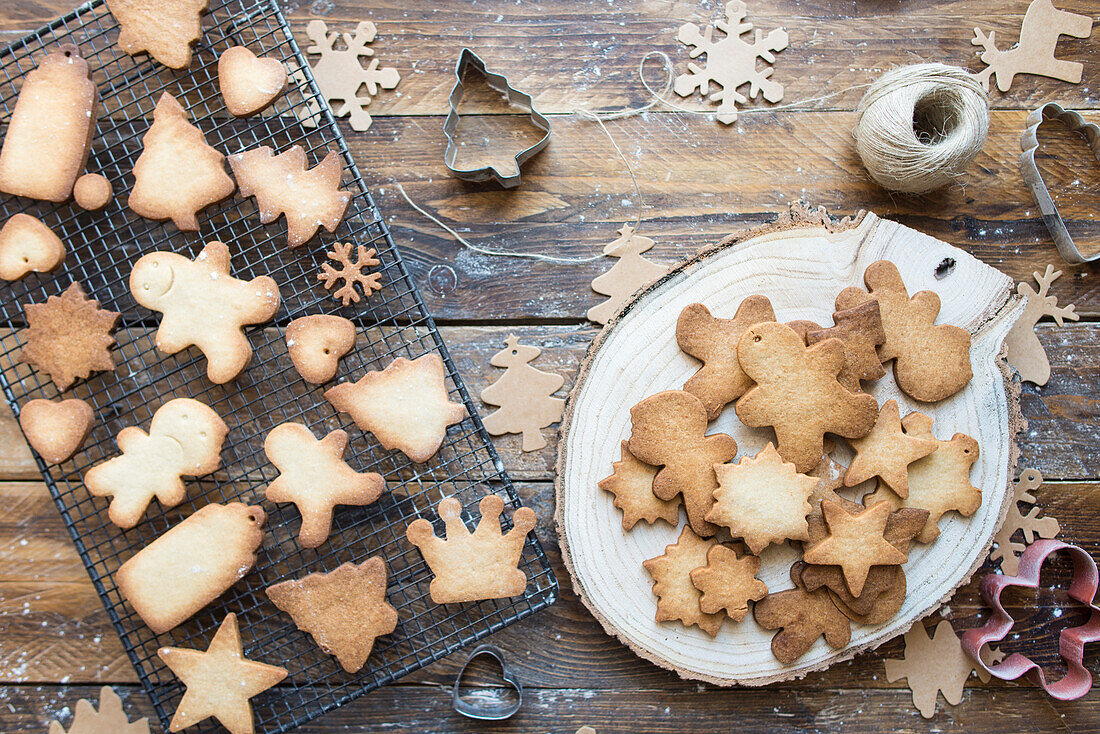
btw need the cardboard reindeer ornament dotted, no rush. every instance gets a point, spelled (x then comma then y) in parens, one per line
(1034, 52)
(1025, 351)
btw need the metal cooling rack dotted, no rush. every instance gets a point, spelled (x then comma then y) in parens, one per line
(101, 249)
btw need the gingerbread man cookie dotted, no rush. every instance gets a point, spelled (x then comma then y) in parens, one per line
(314, 476)
(669, 430)
(185, 438)
(931, 362)
(713, 342)
(797, 393)
(204, 306)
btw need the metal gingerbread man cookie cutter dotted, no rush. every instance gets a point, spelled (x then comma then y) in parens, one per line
(1034, 178)
(507, 177)
(1071, 641)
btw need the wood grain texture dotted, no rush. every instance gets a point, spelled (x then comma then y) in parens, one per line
(700, 181)
(568, 53)
(656, 711)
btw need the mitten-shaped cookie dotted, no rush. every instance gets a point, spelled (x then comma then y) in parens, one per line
(204, 306)
(669, 430)
(931, 362)
(185, 438)
(797, 393)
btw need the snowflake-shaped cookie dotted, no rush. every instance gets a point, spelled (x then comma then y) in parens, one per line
(731, 62)
(350, 272)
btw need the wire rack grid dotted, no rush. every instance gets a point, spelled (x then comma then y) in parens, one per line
(103, 246)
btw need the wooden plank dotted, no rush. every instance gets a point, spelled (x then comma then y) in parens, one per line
(657, 711)
(568, 53)
(699, 182)
(53, 628)
(1060, 440)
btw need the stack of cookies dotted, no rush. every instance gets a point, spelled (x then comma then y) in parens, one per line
(806, 382)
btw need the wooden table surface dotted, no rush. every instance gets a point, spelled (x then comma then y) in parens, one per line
(699, 181)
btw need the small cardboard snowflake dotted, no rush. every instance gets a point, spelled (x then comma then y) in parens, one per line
(1005, 548)
(350, 272)
(731, 62)
(341, 75)
(109, 719)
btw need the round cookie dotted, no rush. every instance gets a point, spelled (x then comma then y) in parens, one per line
(92, 192)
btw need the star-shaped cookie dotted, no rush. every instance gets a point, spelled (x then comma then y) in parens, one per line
(69, 336)
(886, 452)
(314, 476)
(405, 406)
(220, 681)
(855, 543)
(344, 610)
(631, 482)
(762, 499)
(940, 482)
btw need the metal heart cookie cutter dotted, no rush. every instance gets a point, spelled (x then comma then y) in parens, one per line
(507, 177)
(1071, 641)
(487, 711)
(1030, 143)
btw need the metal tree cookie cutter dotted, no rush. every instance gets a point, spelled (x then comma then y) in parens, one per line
(487, 711)
(1071, 641)
(506, 177)
(1030, 143)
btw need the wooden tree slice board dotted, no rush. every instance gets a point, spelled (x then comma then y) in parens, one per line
(801, 262)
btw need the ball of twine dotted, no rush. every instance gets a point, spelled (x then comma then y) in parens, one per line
(920, 126)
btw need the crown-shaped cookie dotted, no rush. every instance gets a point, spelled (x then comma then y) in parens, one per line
(474, 566)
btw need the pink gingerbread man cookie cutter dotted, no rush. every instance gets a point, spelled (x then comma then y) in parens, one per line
(1071, 641)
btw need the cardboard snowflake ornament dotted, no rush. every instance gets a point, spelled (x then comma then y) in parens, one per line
(341, 75)
(1025, 351)
(1004, 547)
(934, 665)
(110, 719)
(731, 62)
(523, 395)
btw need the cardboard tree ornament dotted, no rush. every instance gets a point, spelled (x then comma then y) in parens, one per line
(631, 272)
(1025, 351)
(523, 394)
(109, 719)
(1032, 526)
(1034, 52)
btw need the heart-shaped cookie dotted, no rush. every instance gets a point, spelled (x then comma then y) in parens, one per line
(483, 711)
(1029, 143)
(56, 429)
(316, 344)
(27, 245)
(249, 84)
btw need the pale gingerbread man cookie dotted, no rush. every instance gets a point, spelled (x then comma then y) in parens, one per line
(405, 406)
(314, 476)
(204, 306)
(185, 439)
